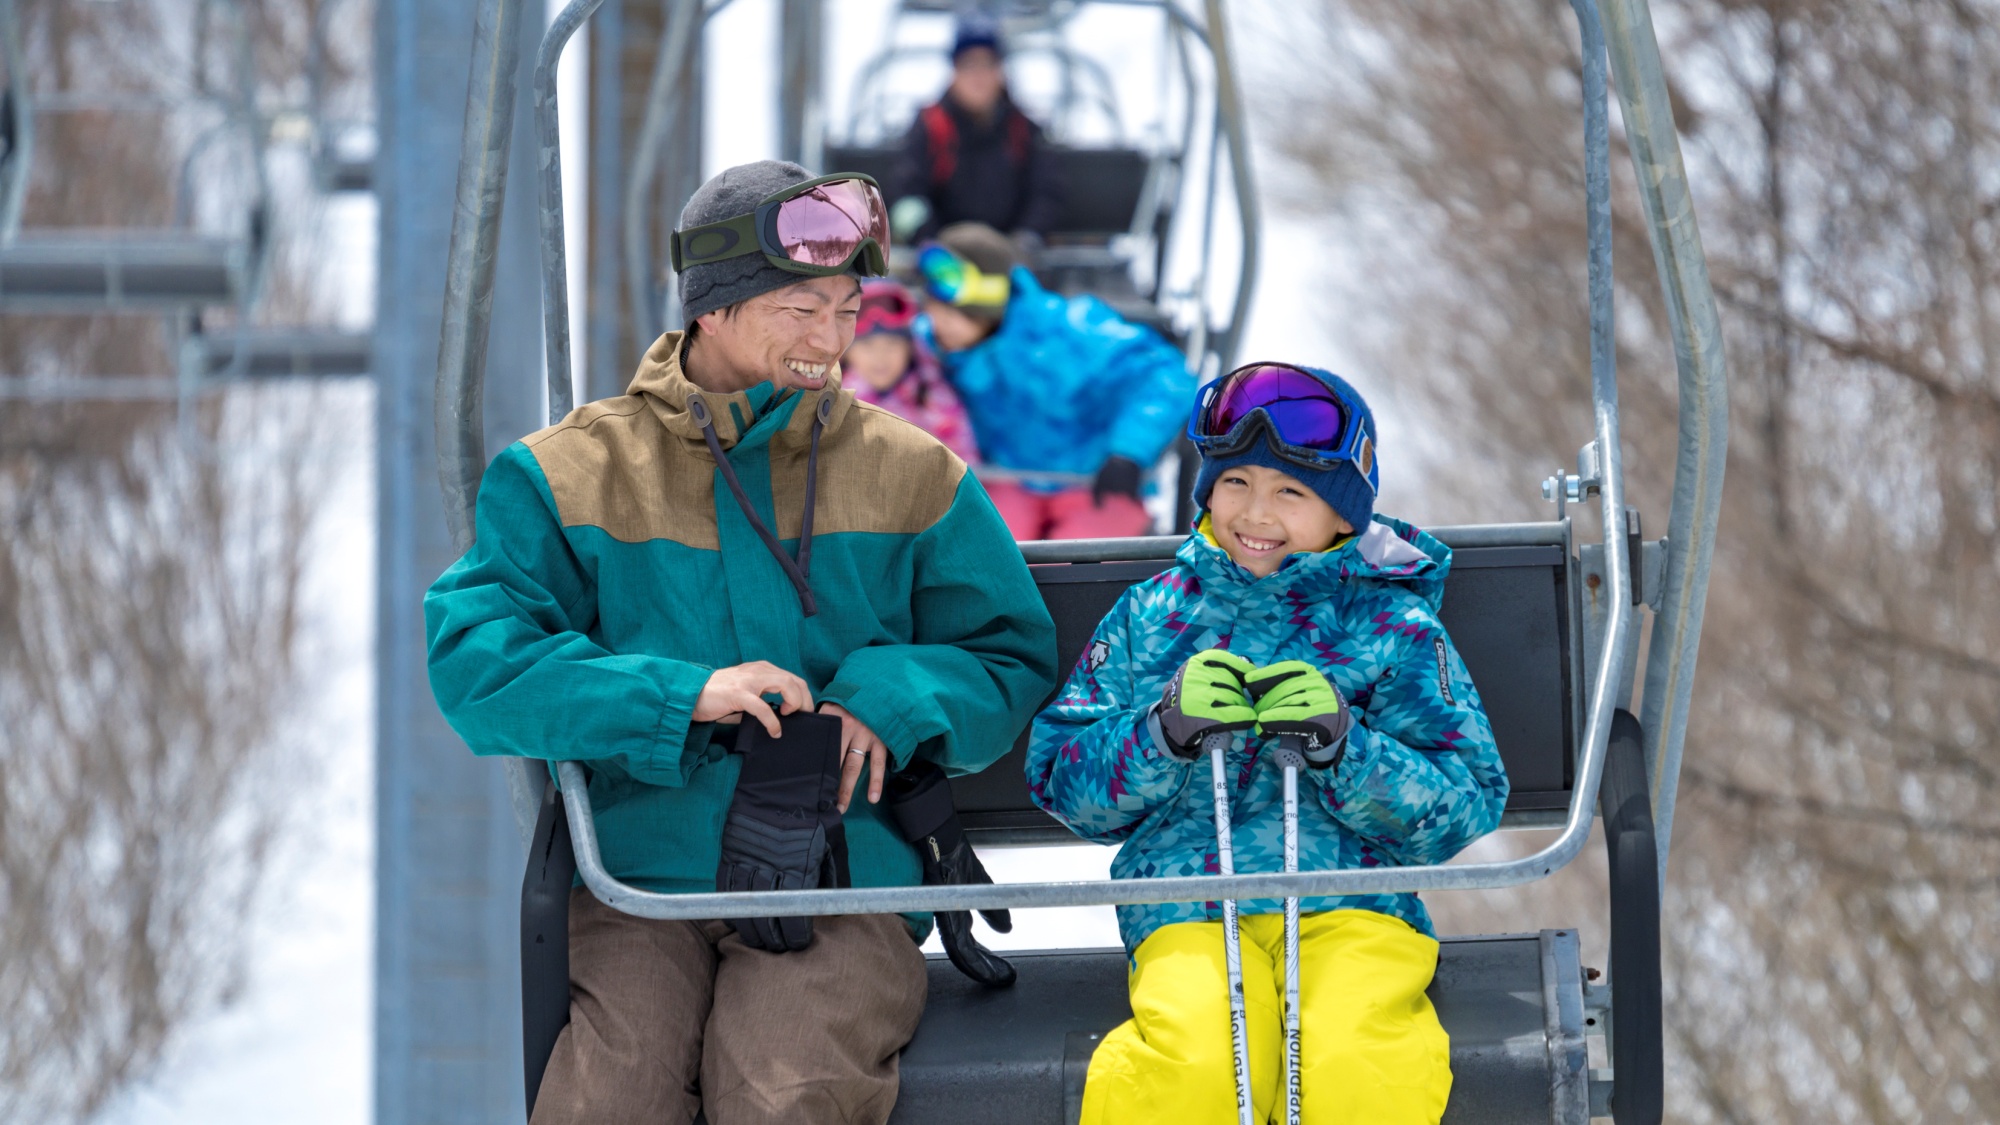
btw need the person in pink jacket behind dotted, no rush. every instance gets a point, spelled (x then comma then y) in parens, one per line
(887, 367)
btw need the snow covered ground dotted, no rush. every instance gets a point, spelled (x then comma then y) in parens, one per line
(295, 1045)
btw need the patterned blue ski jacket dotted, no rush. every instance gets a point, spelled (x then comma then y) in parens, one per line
(1421, 778)
(1066, 383)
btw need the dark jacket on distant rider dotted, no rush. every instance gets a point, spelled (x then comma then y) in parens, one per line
(998, 172)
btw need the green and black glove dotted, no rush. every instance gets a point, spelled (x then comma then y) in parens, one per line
(1205, 697)
(1293, 697)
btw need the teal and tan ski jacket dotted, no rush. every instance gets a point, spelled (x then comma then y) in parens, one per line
(614, 571)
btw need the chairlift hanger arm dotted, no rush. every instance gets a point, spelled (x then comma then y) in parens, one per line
(468, 303)
(685, 18)
(19, 160)
(555, 256)
(1703, 446)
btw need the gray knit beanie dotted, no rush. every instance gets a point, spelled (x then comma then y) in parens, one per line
(729, 193)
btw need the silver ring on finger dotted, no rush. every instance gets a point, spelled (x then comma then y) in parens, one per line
(856, 750)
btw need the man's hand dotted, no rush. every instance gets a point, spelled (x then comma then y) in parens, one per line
(740, 689)
(858, 744)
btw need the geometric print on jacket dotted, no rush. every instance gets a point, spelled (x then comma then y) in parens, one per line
(1421, 778)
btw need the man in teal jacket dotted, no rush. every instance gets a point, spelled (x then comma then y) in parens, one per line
(622, 607)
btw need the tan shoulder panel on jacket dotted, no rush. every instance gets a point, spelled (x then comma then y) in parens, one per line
(877, 472)
(611, 465)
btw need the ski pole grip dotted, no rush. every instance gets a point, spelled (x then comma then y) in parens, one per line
(1292, 751)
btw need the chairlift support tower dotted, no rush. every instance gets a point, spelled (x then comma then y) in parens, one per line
(446, 1026)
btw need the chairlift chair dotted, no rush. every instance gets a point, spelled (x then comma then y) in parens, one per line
(1119, 198)
(1546, 626)
(172, 270)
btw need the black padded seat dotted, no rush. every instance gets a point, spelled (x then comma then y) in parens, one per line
(1018, 1056)
(1101, 186)
(1507, 605)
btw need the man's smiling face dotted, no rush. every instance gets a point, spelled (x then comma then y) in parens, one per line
(791, 338)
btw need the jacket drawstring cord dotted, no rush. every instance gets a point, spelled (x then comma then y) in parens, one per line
(796, 571)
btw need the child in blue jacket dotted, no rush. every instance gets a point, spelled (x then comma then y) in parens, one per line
(1071, 403)
(1295, 609)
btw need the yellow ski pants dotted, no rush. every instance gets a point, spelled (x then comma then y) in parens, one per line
(1370, 1045)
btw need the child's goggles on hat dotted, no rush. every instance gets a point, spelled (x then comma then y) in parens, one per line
(1305, 420)
(819, 228)
(885, 307)
(955, 281)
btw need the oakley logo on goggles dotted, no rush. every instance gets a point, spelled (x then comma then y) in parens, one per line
(1305, 420)
(955, 281)
(818, 228)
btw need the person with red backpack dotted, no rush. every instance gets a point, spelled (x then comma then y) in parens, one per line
(973, 156)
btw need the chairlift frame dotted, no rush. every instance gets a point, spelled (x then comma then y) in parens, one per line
(174, 272)
(1626, 38)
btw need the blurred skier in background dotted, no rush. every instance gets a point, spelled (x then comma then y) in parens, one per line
(973, 156)
(1069, 402)
(887, 366)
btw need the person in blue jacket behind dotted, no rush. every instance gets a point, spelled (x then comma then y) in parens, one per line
(1069, 402)
(1295, 610)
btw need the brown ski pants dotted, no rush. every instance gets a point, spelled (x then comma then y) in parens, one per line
(671, 1018)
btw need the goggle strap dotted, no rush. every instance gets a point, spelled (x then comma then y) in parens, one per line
(738, 237)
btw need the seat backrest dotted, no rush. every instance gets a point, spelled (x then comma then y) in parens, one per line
(877, 162)
(1101, 186)
(1507, 606)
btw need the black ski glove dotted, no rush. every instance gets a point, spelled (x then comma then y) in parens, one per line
(1118, 476)
(920, 799)
(784, 831)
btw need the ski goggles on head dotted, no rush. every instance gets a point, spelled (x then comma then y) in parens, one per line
(885, 307)
(1306, 421)
(819, 228)
(955, 281)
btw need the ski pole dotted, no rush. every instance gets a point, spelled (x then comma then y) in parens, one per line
(1232, 936)
(1292, 756)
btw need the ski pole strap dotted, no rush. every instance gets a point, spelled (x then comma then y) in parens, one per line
(919, 798)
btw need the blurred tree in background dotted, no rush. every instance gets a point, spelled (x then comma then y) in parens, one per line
(150, 568)
(1835, 882)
